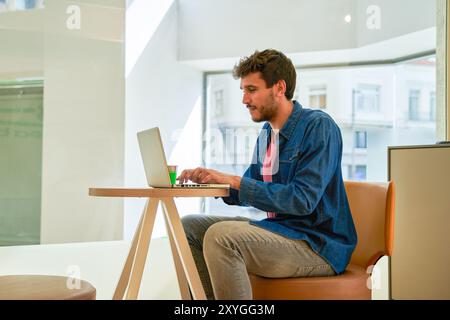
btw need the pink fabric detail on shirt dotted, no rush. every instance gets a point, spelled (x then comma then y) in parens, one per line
(268, 164)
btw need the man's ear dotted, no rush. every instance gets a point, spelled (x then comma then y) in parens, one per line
(280, 88)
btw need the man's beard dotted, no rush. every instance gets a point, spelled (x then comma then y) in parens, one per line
(267, 110)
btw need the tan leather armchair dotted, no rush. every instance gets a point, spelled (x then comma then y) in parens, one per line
(372, 206)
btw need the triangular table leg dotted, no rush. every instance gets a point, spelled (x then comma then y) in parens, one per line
(182, 280)
(134, 266)
(183, 251)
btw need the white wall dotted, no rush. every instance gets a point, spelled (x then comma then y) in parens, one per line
(397, 18)
(83, 136)
(233, 28)
(162, 92)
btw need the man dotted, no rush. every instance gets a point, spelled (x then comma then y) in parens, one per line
(298, 182)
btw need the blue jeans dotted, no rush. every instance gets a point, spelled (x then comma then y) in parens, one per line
(227, 249)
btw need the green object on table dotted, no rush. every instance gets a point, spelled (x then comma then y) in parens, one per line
(173, 177)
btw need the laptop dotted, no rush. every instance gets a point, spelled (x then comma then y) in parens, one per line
(155, 164)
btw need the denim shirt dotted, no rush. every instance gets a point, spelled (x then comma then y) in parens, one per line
(307, 192)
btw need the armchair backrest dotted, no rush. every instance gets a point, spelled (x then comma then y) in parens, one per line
(372, 206)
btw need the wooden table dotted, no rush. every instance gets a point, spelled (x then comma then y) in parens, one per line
(187, 274)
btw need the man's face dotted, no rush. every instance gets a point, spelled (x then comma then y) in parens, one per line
(259, 99)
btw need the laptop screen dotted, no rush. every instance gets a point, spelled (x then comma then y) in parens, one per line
(153, 158)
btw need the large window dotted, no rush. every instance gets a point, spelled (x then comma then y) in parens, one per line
(370, 66)
(21, 161)
(374, 106)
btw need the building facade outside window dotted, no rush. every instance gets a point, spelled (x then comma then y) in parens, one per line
(361, 139)
(360, 173)
(318, 97)
(367, 98)
(432, 106)
(218, 102)
(414, 105)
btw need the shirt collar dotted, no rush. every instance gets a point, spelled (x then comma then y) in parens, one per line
(289, 126)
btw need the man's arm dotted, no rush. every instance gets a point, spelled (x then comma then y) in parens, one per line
(233, 198)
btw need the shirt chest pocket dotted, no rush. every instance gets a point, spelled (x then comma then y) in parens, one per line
(288, 162)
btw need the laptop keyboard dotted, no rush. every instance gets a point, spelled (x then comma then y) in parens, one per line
(191, 185)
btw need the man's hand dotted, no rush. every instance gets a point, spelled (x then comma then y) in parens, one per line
(202, 175)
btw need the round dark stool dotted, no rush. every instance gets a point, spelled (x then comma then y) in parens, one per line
(43, 287)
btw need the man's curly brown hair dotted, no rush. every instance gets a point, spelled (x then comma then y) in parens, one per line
(273, 65)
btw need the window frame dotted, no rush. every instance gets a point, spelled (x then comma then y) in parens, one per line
(316, 92)
(447, 67)
(357, 134)
(359, 92)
